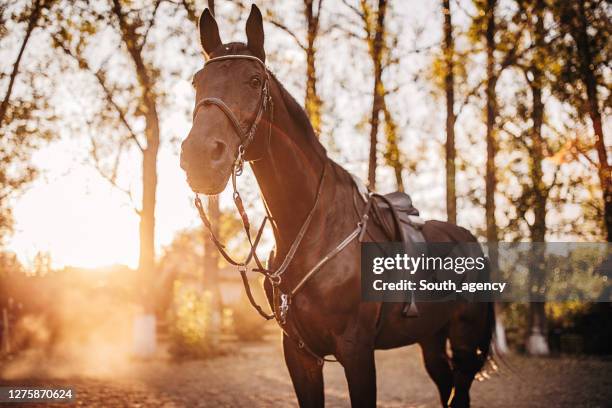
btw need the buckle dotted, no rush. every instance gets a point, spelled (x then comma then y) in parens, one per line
(238, 164)
(283, 309)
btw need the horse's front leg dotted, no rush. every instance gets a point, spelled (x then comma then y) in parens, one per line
(306, 375)
(360, 370)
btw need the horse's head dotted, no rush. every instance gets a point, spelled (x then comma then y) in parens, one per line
(231, 94)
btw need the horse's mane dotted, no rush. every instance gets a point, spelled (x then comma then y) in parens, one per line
(295, 110)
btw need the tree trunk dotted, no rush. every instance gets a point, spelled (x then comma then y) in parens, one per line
(449, 51)
(377, 92)
(312, 101)
(392, 153)
(491, 113)
(537, 343)
(491, 142)
(210, 278)
(588, 77)
(32, 22)
(501, 344)
(211, 256)
(146, 263)
(145, 324)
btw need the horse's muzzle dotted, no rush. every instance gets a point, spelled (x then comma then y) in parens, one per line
(207, 170)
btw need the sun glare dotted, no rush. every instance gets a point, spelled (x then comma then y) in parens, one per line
(100, 233)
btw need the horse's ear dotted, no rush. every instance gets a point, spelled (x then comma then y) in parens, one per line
(209, 32)
(255, 33)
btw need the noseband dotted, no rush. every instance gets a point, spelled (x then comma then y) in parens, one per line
(245, 136)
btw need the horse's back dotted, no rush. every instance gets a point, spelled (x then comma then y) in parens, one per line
(397, 330)
(442, 231)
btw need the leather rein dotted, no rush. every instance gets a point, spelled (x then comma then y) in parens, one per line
(281, 301)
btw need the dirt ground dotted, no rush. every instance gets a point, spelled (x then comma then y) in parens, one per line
(254, 375)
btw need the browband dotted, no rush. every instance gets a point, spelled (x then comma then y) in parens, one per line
(231, 57)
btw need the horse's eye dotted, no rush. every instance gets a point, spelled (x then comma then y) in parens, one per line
(255, 82)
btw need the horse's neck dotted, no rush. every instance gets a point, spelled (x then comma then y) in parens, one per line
(288, 175)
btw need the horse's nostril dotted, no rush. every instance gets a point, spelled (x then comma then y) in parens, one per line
(217, 151)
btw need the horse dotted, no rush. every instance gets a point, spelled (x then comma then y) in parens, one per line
(243, 113)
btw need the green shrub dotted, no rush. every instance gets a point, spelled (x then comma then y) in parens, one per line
(248, 324)
(190, 323)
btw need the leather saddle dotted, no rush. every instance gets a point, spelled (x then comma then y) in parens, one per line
(399, 217)
(400, 220)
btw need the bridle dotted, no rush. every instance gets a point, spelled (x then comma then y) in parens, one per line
(281, 301)
(246, 138)
(266, 104)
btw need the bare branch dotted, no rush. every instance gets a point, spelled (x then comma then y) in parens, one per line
(319, 9)
(288, 31)
(112, 178)
(107, 92)
(458, 4)
(151, 22)
(32, 22)
(469, 95)
(191, 12)
(354, 9)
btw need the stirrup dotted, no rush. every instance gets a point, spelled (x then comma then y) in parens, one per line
(410, 309)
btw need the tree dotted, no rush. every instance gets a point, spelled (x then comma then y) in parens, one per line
(32, 17)
(134, 42)
(311, 13)
(484, 28)
(127, 120)
(536, 342)
(449, 87)
(491, 114)
(503, 45)
(210, 259)
(132, 27)
(374, 22)
(372, 18)
(585, 59)
(535, 194)
(25, 117)
(312, 101)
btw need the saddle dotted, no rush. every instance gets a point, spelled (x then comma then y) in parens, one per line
(399, 218)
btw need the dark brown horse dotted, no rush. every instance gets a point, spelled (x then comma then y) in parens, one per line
(233, 119)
